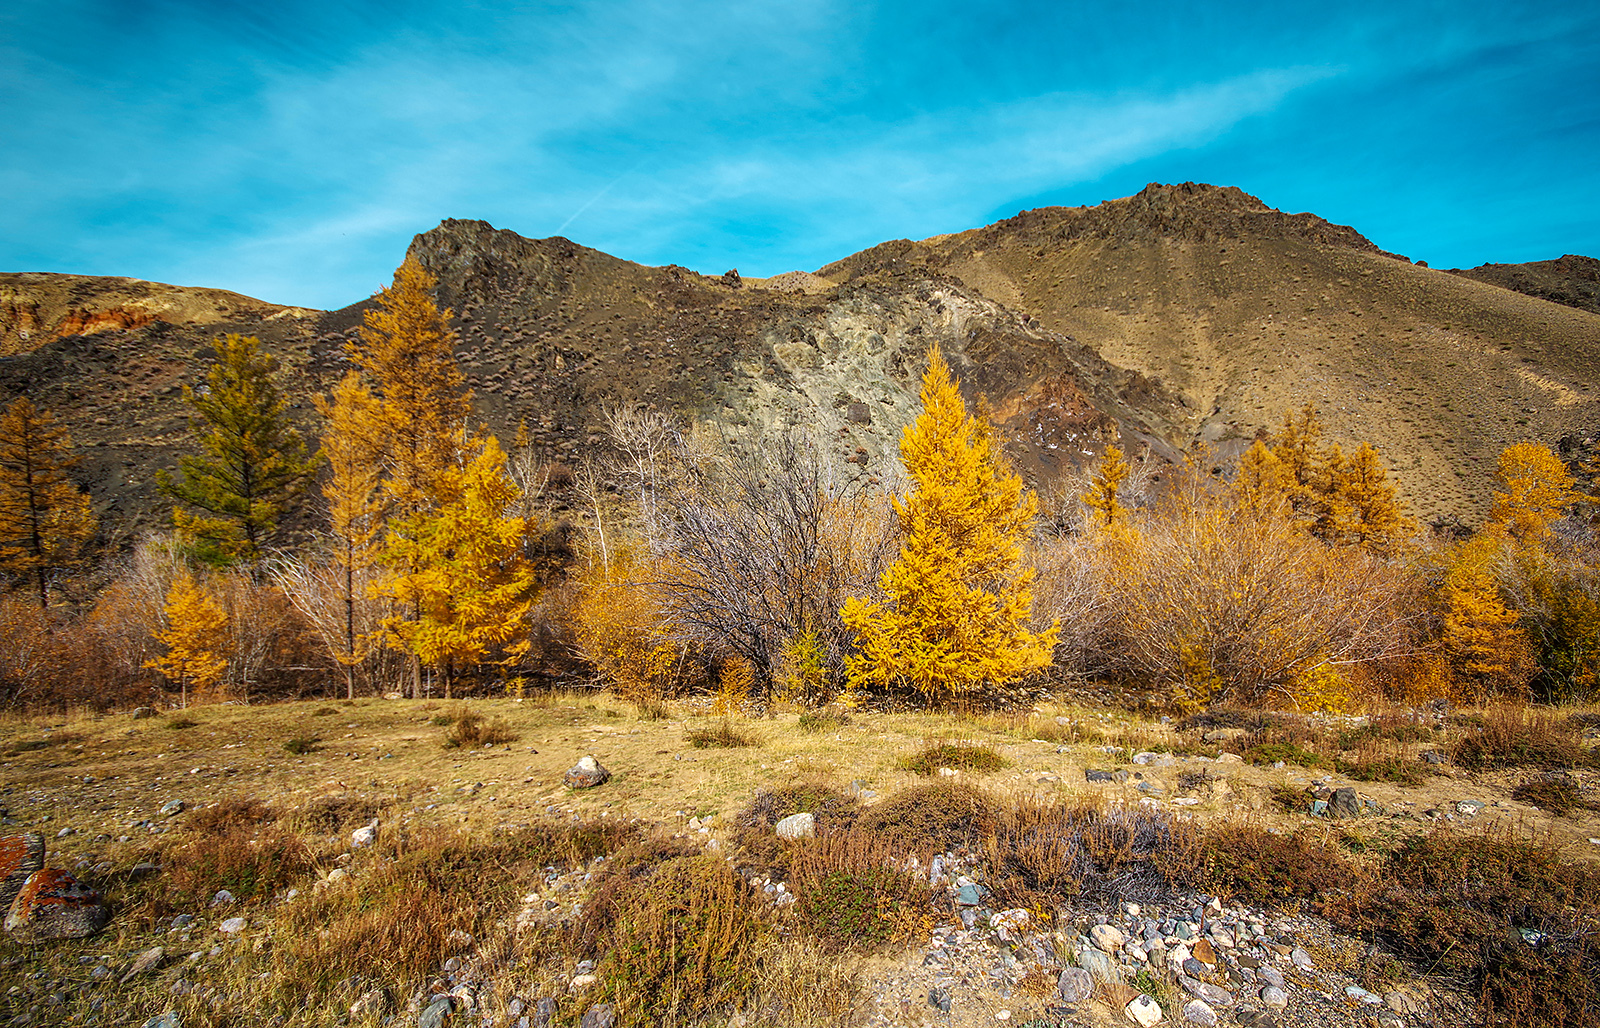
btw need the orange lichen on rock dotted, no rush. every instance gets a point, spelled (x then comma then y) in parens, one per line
(55, 905)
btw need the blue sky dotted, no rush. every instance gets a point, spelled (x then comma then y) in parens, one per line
(289, 150)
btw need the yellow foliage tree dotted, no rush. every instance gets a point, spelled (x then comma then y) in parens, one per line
(1538, 490)
(194, 626)
(351, 493)
(1370, 514)
(463, 569)
(1488, 649)
(406, 350)
(955, 618)
(1101, 497)
(616, 620)
(1263, 483)
(45, 520)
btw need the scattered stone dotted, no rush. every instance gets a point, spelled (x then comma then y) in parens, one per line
(365, 835)
(797, 826)
(1204, 953)
(586, 774)
(20, 856)
(1100, 966)
(939, 999)
(54, 905)
(1075, 986)
(223, 898)
(1300, 958)
(1361, 995)
(171, 1018)
(1344, 803)
(969, 895)
(1212, 994)
(1271, 976)
(601, 1015)
(1434, 757)
(233, 926)
(144, 867)
(1469, 808)
(1143, 1011)
(457, 941)
(1255, 1019)
(144, 963)
(583, 981)
(1107, 937)
(1096, 775)
(171, 807)
(1274, 997)
(1197, 1012)
(435, 1013)
(140, 713)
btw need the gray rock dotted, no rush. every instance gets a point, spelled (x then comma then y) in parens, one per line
(544, 1011)
(1142, 1010)
(1468, 808)
(1197, 1012)
(140, 713)
(1212, 994)
(1361, 995)
(797, 826)
(223, 898)
(1075, 986)
(601, 1015)
(939, 999)
(1274, 997)
(435, 1013)
(1096, 775)
(1300, 958)
(170, 1019)
(1344, 803)
(1099, 965)
(1192, 966)
(1271, 976)
(144, 963)
(233, 926)
(586, 774)
(969, 895)
(54, 905)
(171, 807)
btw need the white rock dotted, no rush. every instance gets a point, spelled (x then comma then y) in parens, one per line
(797, 826)
(232, 926)
(582, 981)
(1197, 1012)
(364, 836)
(1300, 957)
(1143, 1011)
(1274, 997)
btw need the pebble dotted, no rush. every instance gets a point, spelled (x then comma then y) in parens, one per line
(1143, 1011)
(1361, 995)
(1075, 985)
(143, 963)
(1301, 958)
(171, 807)
(1274, 997)
(1212, 994)
(1197, 1012)
(232, 926)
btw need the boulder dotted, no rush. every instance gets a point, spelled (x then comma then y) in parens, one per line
(586, 774)
(1107, 937)
(54, 905)
(797, 826)
(1075, 986)
(20, 856)
(1143, 1011)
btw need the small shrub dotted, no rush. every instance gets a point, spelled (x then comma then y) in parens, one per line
(231, 815)
(677, 942)
(440, 720)
(823, 720)
(1555, 793)
(471, 729)
(1392, 728)
(182, 722)
(250, 860)
(1288, 752)
(42, 743)
(1239, 859)
(960, 756)
(329, 814)
(1517, 736)
(1392, 768)
(940, 815)
(301, 745)
(1041, 852)
(835, 813)
(851, 892)
(723, 734)
(324, 711)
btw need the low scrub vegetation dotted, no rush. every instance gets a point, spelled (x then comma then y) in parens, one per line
(954, 756)
(470, 728)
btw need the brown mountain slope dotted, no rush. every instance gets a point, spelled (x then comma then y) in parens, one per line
(1244, 312)
(1570, 280)
(1068, 320)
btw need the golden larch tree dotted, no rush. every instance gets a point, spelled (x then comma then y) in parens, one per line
(1487, 647)
(1104, 484)
(45, 519)
(1263, 483)
(195, 624)
(954, 620)
(1537, 490)
(406, 350)
(1371, 514)
(462, 567)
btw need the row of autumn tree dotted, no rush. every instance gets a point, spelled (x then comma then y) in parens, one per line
(1292, 580)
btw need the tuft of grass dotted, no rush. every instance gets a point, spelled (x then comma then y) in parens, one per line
(1388, 768)
(42, 743)
(231, 816)
(722, 734)
(324, 711)
(1288, 752)
(1512, 735)
(469, 728)
(959, 756)
(300, 745)
(1556, 793)
(182, 722)
(232, 846)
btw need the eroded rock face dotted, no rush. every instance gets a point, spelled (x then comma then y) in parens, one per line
(20, 856)
(54, 905)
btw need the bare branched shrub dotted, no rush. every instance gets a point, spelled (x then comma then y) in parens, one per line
(333, 599)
